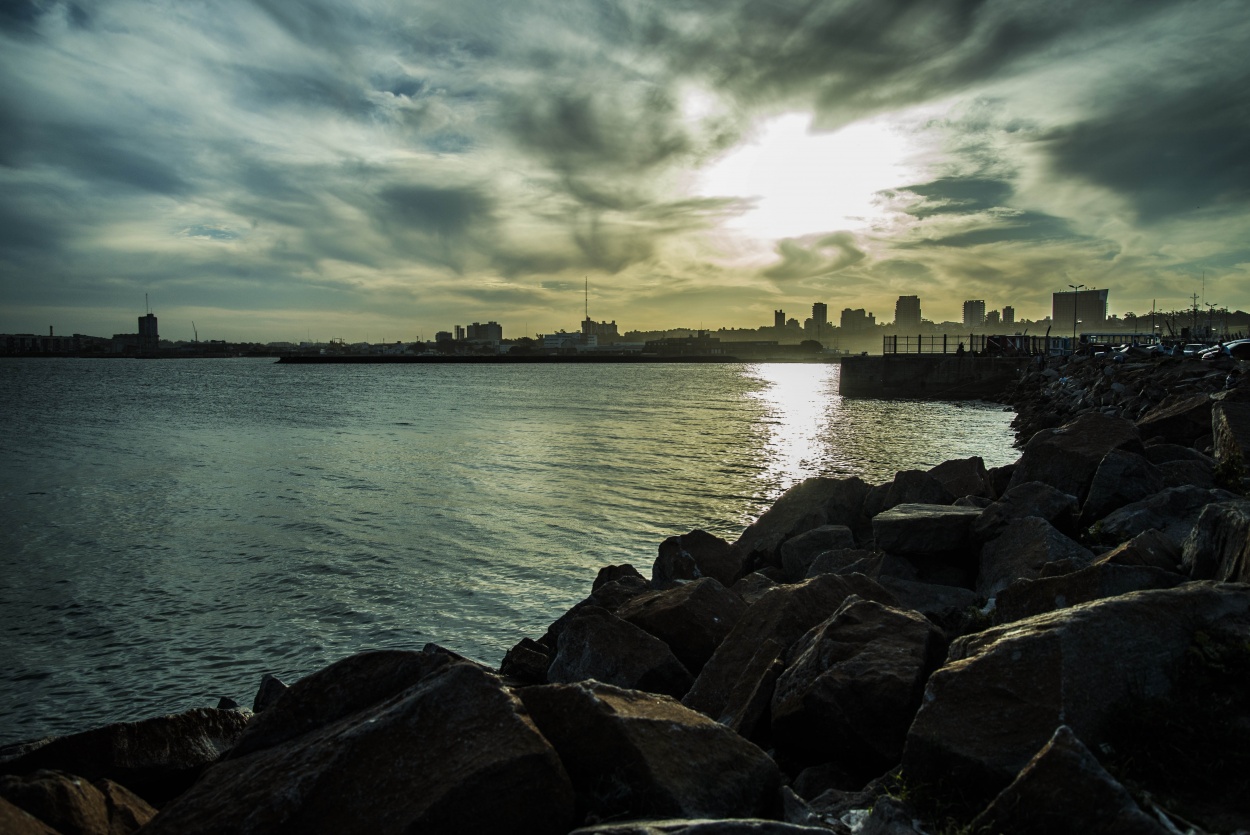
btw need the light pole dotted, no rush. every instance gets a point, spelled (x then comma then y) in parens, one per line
(1076, 294)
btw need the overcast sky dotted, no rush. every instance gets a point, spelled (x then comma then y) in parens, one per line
(280, 170)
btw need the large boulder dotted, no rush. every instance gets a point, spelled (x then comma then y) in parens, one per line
(1066, 458)
(917, 487)
(15, 820)
(346, 687)
(74, 806)
(965, 477)
(635, 755)
(1230, 425)
(1172, 511)
(597, 644)
(1121, 478)
(156, 758)
(779, 618)
(1022, 551)
(694, 555)
(686, 826)
(1065, 789)
(925, 529)
(1027, 598)
(692, 619)
(852, 687)
(807, 505)
(797, 553)
(1004, 691)
(1218, 547)
(1178, 422)
(1149, 547)
(1032, 498)
(455, 752)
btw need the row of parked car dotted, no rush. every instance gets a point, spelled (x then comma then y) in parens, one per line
(1237, 348)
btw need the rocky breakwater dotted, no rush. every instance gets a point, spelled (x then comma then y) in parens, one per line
(1058, 645)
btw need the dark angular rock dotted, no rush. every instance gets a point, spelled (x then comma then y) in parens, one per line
(597, 644)
(344, 688)
(1180, 422)
(1230, 428)
(157, 758)
(807, 505)
(1065, 789)
(946, 606)
(1032, 498)
(527, 662)
(685, 826)
(925, 529)
(1121, 478)
(979, 502)
(692, 619)
(845, 561)
(917, 487)
(1218, 547)
(1149, 547)
(74, 806)
(965, 477)
(853, 685)
(753, 586)
(455, 752)
(612, 573)
(1003, 691)
(694, 555)
(271, 687)
(1164, 453)
(999, 479)
(797, 553)
(1066, 458)
(1172, 512)
(17, 821)
(636, 755)
(782, 615)
(1020, 553)
(1027, 598)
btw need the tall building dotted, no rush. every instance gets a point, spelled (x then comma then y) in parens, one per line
(992, 318)
(606, 331)
(974, 313)
(149, 339)
(907, 313)
(820, 319)
(857, 320)
(1009, 315)
(779, 319)
(489, 332)
(459, 333)
(1088, 307)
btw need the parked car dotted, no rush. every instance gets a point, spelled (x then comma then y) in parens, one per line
(1195, 349)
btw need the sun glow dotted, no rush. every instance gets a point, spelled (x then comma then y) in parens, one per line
(805, 183)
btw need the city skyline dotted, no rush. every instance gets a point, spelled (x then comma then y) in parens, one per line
(365, 168)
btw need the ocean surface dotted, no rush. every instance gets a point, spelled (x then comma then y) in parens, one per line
(170, 530)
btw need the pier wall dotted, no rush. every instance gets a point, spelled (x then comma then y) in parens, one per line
(930, 376)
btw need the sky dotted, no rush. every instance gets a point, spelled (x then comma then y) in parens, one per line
(385, 169)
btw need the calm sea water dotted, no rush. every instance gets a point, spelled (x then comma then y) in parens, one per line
(171, 530)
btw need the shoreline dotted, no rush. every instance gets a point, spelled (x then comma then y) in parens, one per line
(942, 592)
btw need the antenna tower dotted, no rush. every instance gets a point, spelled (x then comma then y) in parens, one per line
(587, 297)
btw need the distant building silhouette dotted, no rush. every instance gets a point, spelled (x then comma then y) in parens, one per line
(1088, 306)
(991, 318)
(1009, 315)
(907, 313)
(459, 333)
(605, 331)
(149, 338)
(779, 319)
(489, 332)
(820, 319)
(857, 320)
(974, 313)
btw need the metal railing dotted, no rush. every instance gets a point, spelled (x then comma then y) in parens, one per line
(978, 343)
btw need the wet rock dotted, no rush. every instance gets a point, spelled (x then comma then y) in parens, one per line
(74, 806)
(797, 553)
(1172, 511)
(597, 644)
(1147, 548)
(946, 606)
(1121, 478)
(271, 687)
(455, 752)
(684, 826)
(925, 529)
(17, 821)
(1230, 426)
(1022, 551)
(613, 573)
(1218, 547)
(1032, 498)
(979, 502)
(157, 758)
(527, 662)
(852, 686)
(965, 477)
(807, 505)
(1027, 598)
(344, 688)
(692, 619)
(1003, 691)
(633, 755)
(917, 487)
(753, 586)
(1180, 422)
(1066, 458)
(846, 561)
(782, 615)
(1065, 789)
(694, 555)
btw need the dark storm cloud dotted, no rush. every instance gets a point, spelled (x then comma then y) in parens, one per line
(956, 196)
(825, 256)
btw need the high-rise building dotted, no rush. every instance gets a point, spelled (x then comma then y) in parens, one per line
(489, 332)
(460, 333)
(149, 339)
(857, 320)
(1009, 315)
(779, 319)
(1087, 307)
(991, 318)
(820, 319)
(907, 313)
(606, 331)
(974, 313)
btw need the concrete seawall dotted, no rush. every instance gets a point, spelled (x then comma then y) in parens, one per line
(930, 376)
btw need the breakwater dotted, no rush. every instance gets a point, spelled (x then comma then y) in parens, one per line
(930, 376)
(959, 645)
